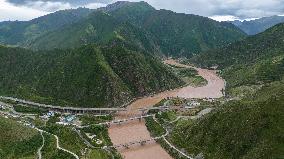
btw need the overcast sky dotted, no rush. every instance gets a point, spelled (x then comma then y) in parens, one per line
(216, 9)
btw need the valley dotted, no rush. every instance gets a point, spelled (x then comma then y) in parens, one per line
(136, 131)
(131, 80)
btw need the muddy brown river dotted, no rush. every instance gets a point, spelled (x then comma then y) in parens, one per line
(136, 131)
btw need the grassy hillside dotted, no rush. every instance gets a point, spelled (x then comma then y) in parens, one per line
(100, 28)
(68, 138)
(89, 76)
(136, 23)
(251, 128)
(140, 72)
(22, 32)
(17, 141)
(178, 34)
(255, 60)
(50, 151)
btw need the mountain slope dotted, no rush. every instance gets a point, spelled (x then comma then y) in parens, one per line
(17, 141)
(252, 126)
(87, 77)
(99, 28)
(253, 27)
(255, 60)
(22, 32)
(137, 23)
(178, 34)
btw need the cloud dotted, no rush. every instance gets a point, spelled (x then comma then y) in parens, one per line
(72, 2)
(239, 9)
(224, 18)
(236, 9)
(30, 9)
(11, 12)
(48, 6)
(249, 8)
(55, 5)
(95, 5)
(220, 9)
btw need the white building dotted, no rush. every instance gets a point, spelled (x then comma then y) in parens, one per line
(193, 103)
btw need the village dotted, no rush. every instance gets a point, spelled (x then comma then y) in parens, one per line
(189, 107)
(91, 128)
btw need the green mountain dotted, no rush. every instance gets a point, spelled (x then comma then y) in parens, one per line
(100, 28)
(255, 60)
(17, 141)
(137, 23)
(253, 27)
(89, 76)
(22, 32)
(177, 34)
(251, 127)
(21, 142)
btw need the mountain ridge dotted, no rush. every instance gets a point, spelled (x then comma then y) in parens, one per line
(21, 32)
(249, 124)
(89, 76)
(169, 33)
(254, 60)
(253, 27)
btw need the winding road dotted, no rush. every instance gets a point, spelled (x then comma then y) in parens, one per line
(57, 143)
(39, 150)
(60, 148)
(136, 131)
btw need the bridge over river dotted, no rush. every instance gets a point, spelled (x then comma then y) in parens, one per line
(119, 122)
(137, 131)
(136, 143)
(76, 110)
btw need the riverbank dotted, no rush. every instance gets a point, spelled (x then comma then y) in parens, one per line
(136, 131)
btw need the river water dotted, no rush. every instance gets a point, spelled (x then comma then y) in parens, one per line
(136, 131)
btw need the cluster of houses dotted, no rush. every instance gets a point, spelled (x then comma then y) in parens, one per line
(47, 115)
(93, 137)
(6, 112)
(67, 120)
(63, 119)
(192, 103)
